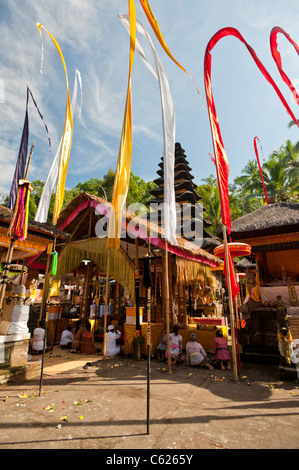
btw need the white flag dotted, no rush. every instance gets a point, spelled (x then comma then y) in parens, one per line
(44, 203)
(168, 119)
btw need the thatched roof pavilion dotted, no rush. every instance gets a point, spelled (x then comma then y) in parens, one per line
(273, 224)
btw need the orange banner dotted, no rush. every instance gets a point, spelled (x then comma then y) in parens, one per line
(123, 169)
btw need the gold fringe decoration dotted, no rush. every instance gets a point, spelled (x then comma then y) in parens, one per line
(189, 272)
(121, 267)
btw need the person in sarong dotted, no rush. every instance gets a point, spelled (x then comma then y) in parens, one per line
(196, 355)
(87, 341)
(175, 346)
(222, 356)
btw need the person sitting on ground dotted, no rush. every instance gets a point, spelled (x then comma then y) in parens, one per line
(38, 339)
(111, 337)
(87, 341)
(222, 355)
(176, 346)
(196, 355)
(76, 343)
(161, 349)
(66, 338)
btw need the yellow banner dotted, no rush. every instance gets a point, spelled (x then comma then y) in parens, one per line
(122, 177)
(154, 24)
(66, 138)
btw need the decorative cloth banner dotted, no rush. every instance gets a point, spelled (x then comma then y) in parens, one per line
(222, 166)
(189, 272)
(44, 203)
(154, 24)
(277, 58)
(260, 168)
(66, 138)
(168, 119)
(121, 267)
(23, 151)
(233, 279)
(122, 176)
(19, 223)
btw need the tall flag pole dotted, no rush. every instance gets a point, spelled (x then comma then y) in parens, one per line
(123, 168)
(219, 151)
(221, 162)
(255, 140)
(66, 138)
(168, 120)
(23, 151)
(19, 224)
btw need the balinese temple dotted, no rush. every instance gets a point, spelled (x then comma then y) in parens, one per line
(191, 224)
(272, 232)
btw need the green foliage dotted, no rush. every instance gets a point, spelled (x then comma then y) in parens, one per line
(280, 171)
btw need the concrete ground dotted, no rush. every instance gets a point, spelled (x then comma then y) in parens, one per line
(91, 403)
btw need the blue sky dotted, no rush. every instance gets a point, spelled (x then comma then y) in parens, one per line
(93, 40)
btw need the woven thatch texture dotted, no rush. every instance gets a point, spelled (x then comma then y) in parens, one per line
(280, 215)
(120, 267)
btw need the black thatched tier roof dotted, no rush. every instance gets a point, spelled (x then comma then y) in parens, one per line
(181, 175)
(279, 218)
(185, 185)
(180, 167)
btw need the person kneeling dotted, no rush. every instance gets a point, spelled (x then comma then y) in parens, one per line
(196, 355)
(111, 337)
(66, 338)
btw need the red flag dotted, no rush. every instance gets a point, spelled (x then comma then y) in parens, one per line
(233, 278)
(222, 166)
(277, 58)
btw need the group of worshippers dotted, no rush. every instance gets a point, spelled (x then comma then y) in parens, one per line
(195, 353)
(83, 342)
(77, 340)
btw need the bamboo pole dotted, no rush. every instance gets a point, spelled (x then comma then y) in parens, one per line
(231, 307)
(148, 315)
(45, 308)
(106, 303)
(167, 306)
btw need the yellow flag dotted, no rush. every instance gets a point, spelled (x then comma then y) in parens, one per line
(154, 24)
(122, 177)
(66, 138)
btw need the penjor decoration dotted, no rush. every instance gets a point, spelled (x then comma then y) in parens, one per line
(222, 166)
(168, 119)
(122, 176)
(23, 151)
(255, 140)
(66, 137)
(44, 203)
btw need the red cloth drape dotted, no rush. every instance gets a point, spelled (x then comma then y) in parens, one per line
(222, 166)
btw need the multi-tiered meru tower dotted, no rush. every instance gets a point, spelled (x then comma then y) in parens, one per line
(191, 223)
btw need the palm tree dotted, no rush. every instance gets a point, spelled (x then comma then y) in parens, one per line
(293, 123)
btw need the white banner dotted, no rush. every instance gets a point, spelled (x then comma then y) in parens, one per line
(44, 203)
(168, 119)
